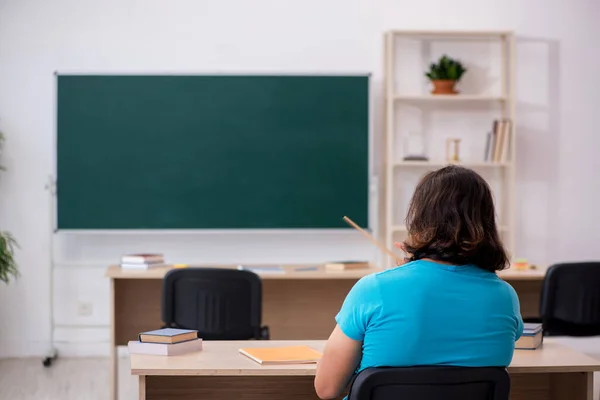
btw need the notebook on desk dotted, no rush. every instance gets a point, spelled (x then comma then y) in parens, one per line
(282, 355)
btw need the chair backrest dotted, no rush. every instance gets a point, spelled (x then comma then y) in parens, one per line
(431, 383)
(570, 299)
(222, 304)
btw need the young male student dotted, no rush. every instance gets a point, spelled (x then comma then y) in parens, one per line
(445, 305)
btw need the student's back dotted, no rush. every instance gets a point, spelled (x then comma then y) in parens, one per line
(427, 313)
(445, 305)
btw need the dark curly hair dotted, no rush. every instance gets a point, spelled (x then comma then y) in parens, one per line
(451, 218)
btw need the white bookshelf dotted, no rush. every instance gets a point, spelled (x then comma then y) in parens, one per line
(446, 98)
(488, 101)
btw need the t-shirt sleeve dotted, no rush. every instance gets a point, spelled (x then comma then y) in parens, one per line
(360, 306)
(516, 308)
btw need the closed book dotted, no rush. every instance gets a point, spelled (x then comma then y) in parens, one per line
(168, 335)
(532, 337)
(499, 138)
(345, 265)
(488, 143)
(282, 355)
(142, 259)
(164, 349)
(531, 328)
(506, 143)
(141, 266)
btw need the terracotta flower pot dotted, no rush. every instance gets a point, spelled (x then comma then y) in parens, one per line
(443, 87)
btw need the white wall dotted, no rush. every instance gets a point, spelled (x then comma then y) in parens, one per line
(557, 91)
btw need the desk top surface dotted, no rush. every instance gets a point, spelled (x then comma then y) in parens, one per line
(223, 359)
(300, 272)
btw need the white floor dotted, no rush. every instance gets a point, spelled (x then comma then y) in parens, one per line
(78, 379)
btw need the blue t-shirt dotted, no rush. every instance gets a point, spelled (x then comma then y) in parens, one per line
(426, 313)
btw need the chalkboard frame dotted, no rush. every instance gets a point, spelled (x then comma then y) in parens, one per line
(373, 189)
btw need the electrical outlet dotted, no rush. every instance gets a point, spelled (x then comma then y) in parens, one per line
(84, 308)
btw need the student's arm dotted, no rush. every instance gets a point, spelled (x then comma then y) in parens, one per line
(516, 312)
(344, 348)
(339, 361)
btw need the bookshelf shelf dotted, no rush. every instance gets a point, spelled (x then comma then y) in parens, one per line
(408, 107)
(449, 98)
(452, 35)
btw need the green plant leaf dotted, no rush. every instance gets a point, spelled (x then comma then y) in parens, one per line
(446, 68)
(452, 71)
(8, 265)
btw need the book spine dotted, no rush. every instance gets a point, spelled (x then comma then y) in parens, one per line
(486, 156)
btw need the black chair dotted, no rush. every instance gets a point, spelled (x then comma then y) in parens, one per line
(570, 300)
(222, 304)
(431, 383)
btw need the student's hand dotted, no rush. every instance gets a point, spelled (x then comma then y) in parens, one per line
(400, 246)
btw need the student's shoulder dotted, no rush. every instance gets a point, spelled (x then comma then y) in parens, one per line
(372, 280)
(401, 270)
(500, 286)
(506, 287)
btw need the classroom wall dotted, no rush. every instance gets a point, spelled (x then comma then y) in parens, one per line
(557, 93)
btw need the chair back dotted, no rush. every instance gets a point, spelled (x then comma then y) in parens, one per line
(570, 299)
(431, 383)
(222, 304)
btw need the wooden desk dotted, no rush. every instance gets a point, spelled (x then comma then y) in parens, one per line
(297, 305)
(219, 372)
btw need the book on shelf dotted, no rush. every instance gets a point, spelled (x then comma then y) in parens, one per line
(168, 335)
(282, 355)
(498, 142)
(346, 265)
(164, 349)
(532, 337)
(142, 261)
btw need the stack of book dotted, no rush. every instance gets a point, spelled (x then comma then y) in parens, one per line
(497, 147)
(532, 337)
(166, 342)
(142, 261)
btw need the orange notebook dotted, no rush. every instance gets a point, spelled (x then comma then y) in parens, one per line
(282, 355)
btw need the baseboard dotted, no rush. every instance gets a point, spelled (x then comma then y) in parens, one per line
(69, 341)
(68, 350)
(74, 350)
(13, 349)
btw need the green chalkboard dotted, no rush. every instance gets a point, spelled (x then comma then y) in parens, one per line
(212, 152)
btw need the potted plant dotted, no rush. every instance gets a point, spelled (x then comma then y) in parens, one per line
(8, 244)
(445, 74)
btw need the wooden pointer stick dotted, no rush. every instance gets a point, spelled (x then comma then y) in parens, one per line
(371, 238)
